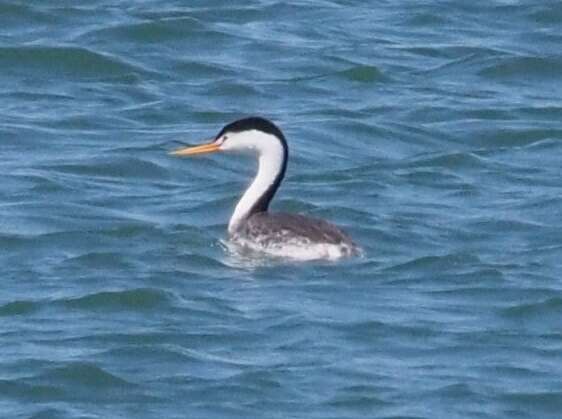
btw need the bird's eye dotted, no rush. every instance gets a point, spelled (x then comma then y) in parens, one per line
(225, 138)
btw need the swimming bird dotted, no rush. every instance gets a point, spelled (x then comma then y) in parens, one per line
(252, 225)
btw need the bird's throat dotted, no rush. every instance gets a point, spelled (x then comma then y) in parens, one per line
(271, 170)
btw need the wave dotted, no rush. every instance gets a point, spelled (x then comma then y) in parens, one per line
(545, 309)
(153, 31)
(364, 74)
(112, 166)
(140, 299)
(18, 308)
(525, 68)
(65, 61)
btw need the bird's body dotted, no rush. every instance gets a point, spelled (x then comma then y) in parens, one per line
(251, 224)
(294, 235)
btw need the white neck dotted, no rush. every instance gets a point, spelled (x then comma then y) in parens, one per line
(271, 159)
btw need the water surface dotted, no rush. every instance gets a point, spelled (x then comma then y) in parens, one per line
(429, 130)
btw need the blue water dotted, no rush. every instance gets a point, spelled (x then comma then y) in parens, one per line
(431, 131)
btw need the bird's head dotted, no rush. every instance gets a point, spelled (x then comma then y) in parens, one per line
(252, 134)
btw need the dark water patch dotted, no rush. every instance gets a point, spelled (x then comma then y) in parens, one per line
(11, 241)
(545, 202)
(18, 308)
(516, 372)
(51, 413)
(452, 161)
(535, 402)
(260, 380)
(211, 211)
(84, 374)
(358, 398)
(524, 69)
(285, 326)
(237, 13)
(210, 305)
(242, 391)
(141, 299)
(547, 113)
(22, 390)
(373, 140)
(364, 74)
(213, 118)
(17, 15)
(195, 69)
(435, 178)
(451, 52)
(484, 288)
(230, 88)
(178, 344)
(190, 263)
(427, 19)
(97, 261)
(86, 381)
(151, 31)
(120, 338)
(511, 225)
(550, 308)
(112, 167)
(492, 114)
(367, 332)
(549, 13)
(69, 61)
(45, 184)
(463, 63)
(45, 97)
(434, 114)
(508, 136)
(80, 123)
(62, 227)
(160, 355)
(458, 391)
(135, 231)
(341, 213)
(453, 261)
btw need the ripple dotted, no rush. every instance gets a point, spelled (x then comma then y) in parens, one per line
(22, 14)
(452, 161)
(65, 61)
(35, 392)
(18, 308)
(49, 414)
(525, 69)
(75, 381)
(547, 13)
(548, 308)
(116, 166)
(98, 260)
(364, 74)
(438, 263)
(84, 374)
(432, 133)
(358, 398)
(140, 299)
(153, 31)
(534, 402)
(9, 241)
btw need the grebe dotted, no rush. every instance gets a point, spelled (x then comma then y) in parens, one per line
(251, 225)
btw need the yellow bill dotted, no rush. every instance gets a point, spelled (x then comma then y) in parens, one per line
(200, 149)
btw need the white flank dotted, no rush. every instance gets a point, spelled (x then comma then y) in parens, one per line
(297, 249)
